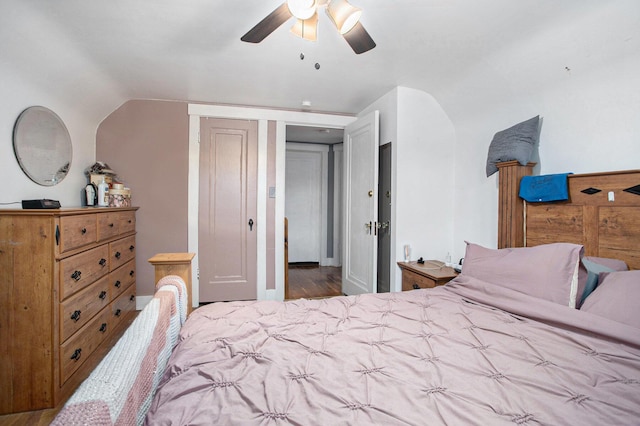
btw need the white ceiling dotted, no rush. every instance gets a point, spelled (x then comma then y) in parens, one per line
(327, 136)
(101, 54)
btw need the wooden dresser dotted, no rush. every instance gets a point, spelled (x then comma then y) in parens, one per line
(427, 275)
(67, 280)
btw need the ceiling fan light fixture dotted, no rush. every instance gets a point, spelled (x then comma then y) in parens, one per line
(306, 29)
(302, 9)
(343, 15)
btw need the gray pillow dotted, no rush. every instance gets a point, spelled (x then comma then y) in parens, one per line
(590, 268)
(514, 143)
(593, 270)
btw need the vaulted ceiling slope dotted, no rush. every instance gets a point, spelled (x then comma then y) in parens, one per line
(97, 55)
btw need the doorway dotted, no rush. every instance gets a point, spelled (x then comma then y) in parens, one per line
(307, 277)
(313, 192)
(384, 218)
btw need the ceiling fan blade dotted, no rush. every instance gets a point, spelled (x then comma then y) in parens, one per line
(359, 39)
(268, 25)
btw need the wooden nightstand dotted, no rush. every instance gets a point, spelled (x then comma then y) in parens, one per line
(426, 275)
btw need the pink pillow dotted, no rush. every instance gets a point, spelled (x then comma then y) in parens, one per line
(616, 297)
(548, 271)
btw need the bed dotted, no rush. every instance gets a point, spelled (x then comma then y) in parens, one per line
(542, 334)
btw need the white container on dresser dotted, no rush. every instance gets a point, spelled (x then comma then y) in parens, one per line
(67, 291)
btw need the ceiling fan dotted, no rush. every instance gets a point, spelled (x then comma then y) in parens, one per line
(345, 17)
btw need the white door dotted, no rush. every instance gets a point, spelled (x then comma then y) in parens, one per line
(361, 144)
(303, 204)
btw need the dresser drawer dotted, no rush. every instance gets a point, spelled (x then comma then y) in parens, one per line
(121, 251)
(122, 278)
(108, 225)
(77, 310)
(77, 349)
(112, 224)
(77, 231)
(411, 281)
(126, 221)
(123, 305)
(77, 272)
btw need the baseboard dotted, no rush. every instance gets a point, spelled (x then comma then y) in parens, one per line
(270, 294)
(330, 261)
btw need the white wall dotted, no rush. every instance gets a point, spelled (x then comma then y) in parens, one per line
(582, 77)
(424, 176)
(17, 95)
(423, 143)
(42, 65)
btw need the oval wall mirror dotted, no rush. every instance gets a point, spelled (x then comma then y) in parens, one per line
(42, 145)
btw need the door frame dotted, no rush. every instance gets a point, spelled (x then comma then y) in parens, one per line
(263, 116)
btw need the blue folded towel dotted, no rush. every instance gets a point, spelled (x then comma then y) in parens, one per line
(537, 189)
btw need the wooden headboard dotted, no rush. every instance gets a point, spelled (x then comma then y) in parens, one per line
(602, 214)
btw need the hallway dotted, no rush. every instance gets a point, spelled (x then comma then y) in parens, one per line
(313, 281)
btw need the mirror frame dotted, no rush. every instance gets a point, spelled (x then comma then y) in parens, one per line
(42, 145)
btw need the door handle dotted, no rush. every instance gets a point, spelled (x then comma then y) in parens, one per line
(383, 225)
(250, 224)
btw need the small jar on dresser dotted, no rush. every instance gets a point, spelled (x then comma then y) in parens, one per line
(425, 275)
(68, 290)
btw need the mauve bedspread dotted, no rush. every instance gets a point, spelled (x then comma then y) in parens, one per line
(437, 356)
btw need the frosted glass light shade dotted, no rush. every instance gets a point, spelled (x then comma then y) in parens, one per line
(343, 15)
(302, 9)
(306, 29)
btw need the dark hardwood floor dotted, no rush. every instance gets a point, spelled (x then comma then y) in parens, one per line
(31, 418)
(313, 281)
